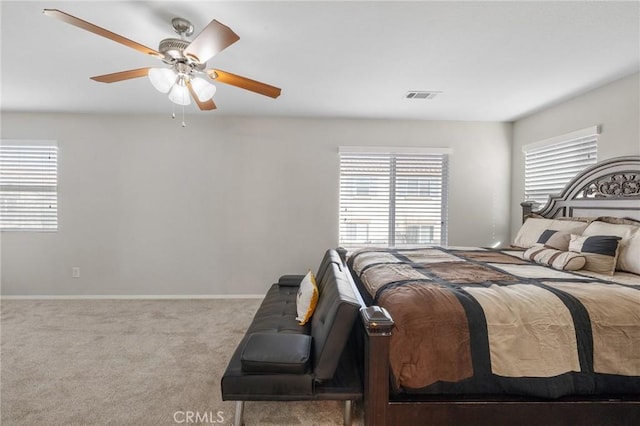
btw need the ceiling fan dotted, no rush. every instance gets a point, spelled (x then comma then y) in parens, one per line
(185, 75)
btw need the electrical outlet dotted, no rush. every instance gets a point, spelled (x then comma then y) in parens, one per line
(75, 272)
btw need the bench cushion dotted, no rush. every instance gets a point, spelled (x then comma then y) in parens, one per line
(276, 353)
(277, 313)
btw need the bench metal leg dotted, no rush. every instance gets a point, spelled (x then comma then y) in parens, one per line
(348, 410)
(239, 419)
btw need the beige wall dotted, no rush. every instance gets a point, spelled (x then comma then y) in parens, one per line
(225, 205)
(615, 107)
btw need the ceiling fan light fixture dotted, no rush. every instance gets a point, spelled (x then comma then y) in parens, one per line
(203, 89)
(162, 79)
(179, 93)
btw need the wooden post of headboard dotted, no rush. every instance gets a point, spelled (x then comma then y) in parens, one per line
(527, 208)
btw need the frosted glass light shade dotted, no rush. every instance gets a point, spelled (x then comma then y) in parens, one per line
(179, 94)
(162, 78)
(203, 89)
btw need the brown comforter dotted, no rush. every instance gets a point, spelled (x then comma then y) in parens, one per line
(482, 321)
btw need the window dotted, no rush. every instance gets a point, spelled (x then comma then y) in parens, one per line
(357, 231)
(29, 185)
(392, 198)
(419, 234)
(550, 165)
(421, 186)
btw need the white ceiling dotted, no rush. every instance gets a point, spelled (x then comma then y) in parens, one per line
(493, 61)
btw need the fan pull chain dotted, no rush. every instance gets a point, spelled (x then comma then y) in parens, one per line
(183, 123)
(173, 110)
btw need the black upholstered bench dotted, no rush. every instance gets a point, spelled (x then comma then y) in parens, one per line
(279, 360)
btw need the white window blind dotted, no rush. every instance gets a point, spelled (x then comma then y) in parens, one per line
(550, 166)
(392, 199)
(29, 185)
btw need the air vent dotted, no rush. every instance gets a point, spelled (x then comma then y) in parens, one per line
(414, 94)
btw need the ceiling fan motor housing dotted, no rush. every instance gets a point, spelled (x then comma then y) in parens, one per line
(173, 48)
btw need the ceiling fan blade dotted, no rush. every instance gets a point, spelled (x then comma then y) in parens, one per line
(214, 38)
(205, 106)
(69, 19)
(244, 83)
(122, 75)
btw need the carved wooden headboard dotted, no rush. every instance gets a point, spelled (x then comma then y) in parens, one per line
(609, 188)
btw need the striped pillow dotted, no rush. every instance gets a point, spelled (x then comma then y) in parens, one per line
(557, 259)
(600, 251)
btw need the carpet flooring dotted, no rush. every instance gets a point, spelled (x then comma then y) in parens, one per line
(131, 362)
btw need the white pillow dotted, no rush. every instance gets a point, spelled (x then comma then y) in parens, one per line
(532, 228)
(307, 298)
(629, 252)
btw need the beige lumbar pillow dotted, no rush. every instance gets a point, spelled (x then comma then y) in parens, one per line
(600, 251)
(307, 298)
(629, 253)
(557, 259)
(555, 239)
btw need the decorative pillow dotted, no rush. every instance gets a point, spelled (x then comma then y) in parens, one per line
(600, 251)
(629, 232)
(307, 298)
(555, 239)
(557, 259)
(532, 229)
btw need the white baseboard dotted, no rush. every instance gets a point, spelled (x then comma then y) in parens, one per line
(134, 296)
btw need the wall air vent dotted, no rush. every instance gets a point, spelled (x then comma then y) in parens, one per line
(415, 94)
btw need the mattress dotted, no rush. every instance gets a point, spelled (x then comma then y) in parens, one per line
(479, 321)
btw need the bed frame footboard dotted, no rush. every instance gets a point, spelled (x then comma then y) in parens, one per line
(380, 409)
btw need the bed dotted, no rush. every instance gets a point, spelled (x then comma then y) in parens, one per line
(546, 332)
